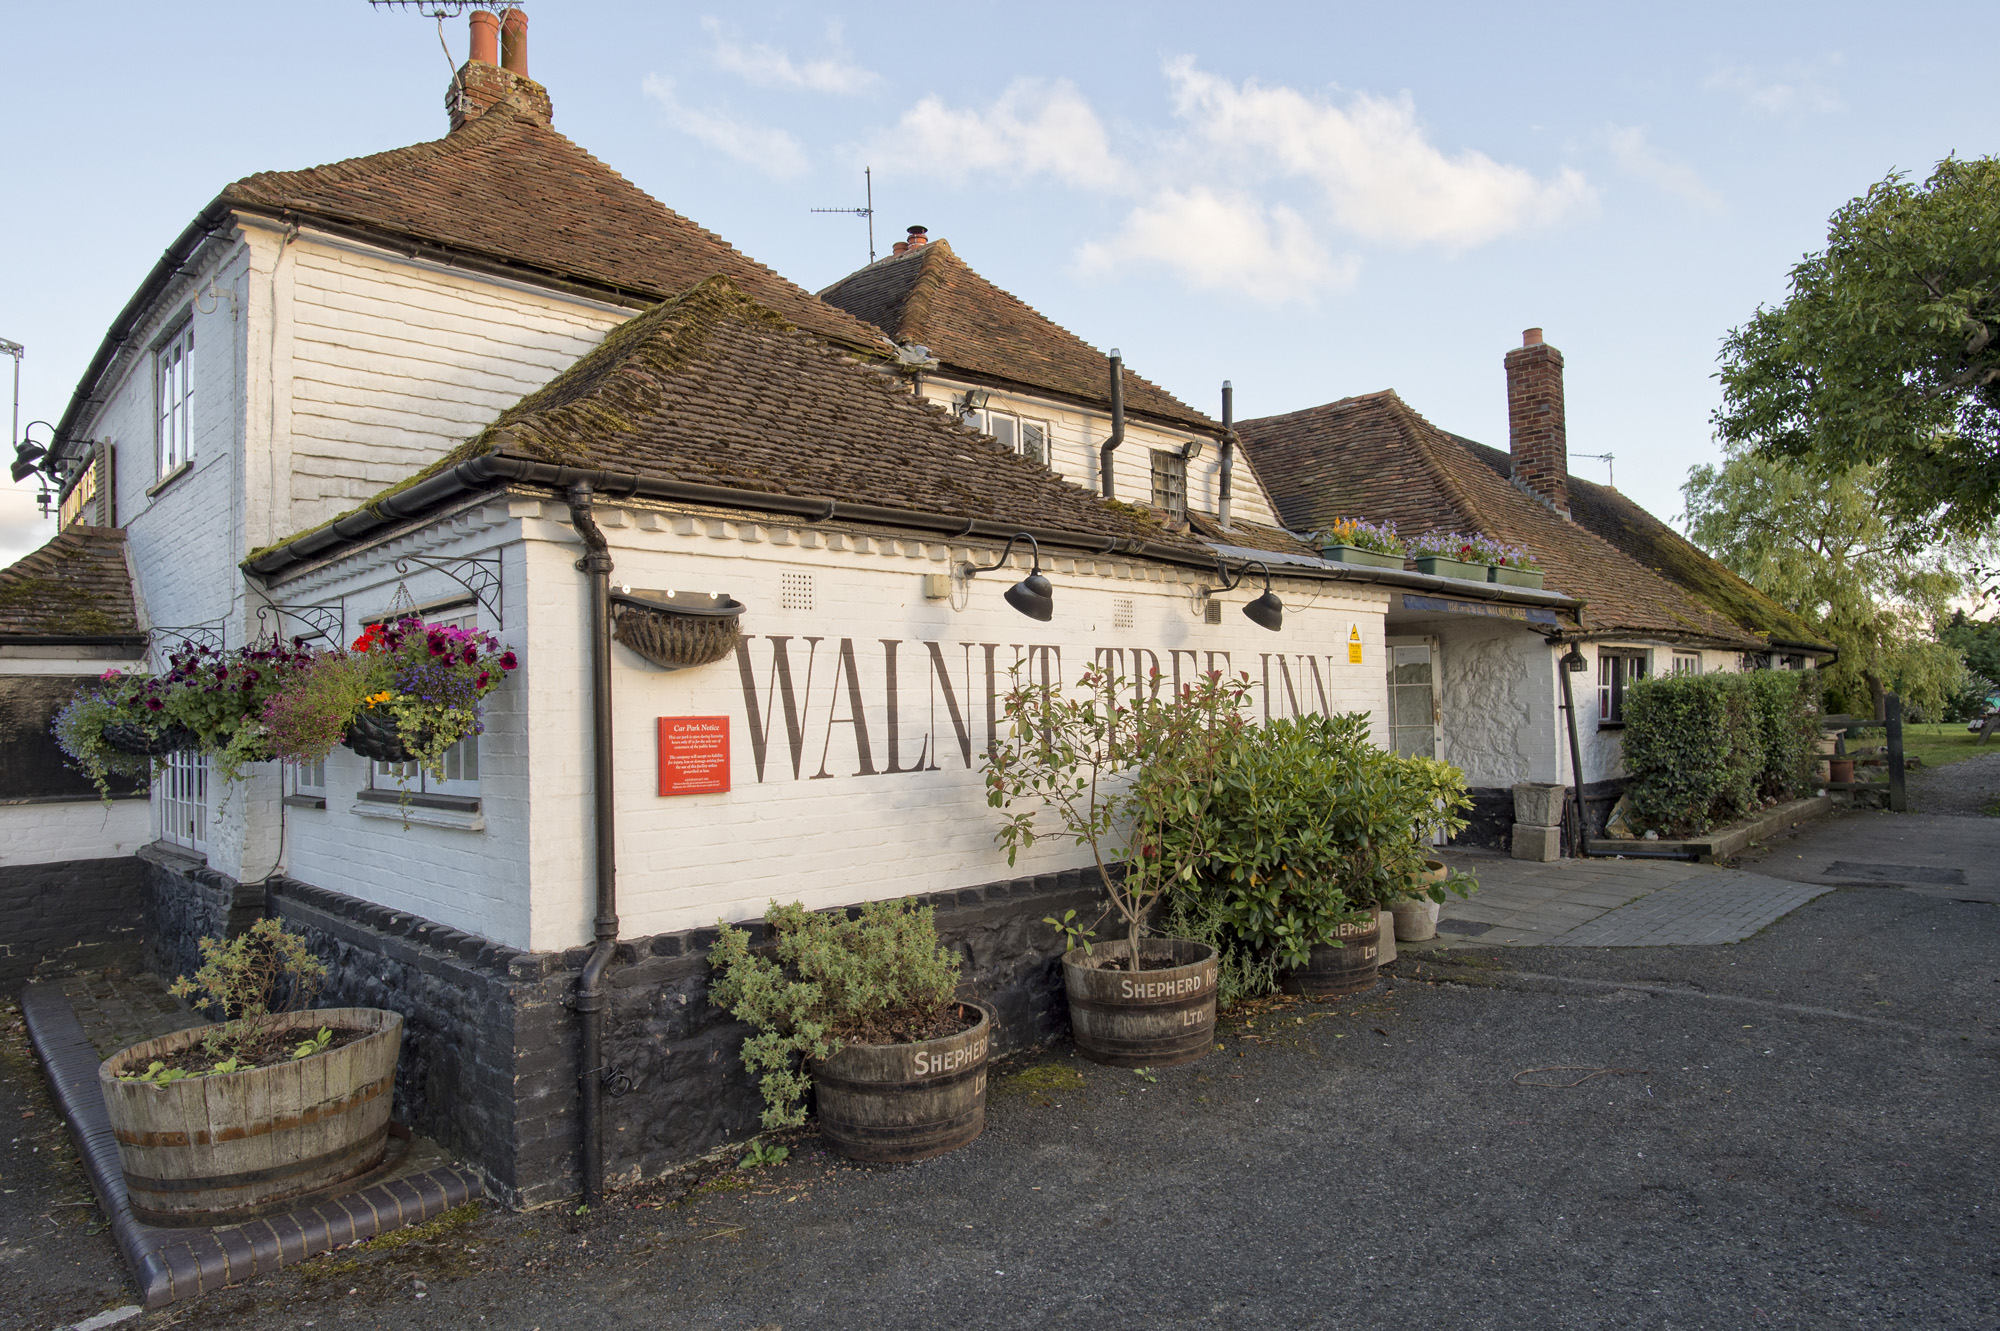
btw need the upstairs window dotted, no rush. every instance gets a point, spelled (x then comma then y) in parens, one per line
(1615, 672)
(1028, 438)
(173, 366)
(1170, 483)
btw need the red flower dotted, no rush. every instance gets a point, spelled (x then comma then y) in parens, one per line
(507, 661)
(370, 639)
(481, 682)
(471, 656)
(154, 705)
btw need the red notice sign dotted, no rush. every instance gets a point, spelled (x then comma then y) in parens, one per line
(694, 755)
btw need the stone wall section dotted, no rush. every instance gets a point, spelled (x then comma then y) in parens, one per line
(185, 901)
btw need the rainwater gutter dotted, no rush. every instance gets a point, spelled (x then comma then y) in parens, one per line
(1117, 421)
(1575, 750)
(590, 997)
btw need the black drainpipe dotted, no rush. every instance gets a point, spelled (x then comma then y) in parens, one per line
(1575, 754)
(1228, 450)
(590, 1001)
(1117, 420)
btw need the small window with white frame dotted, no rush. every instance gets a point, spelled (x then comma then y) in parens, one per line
(1687, 663)
(1616, 671)
(173, 372)
(305, 784)
(460, 763)
(183, 787)
(1029, 438)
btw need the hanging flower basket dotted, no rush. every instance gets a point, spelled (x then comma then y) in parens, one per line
(677, 630)
(376, 737)
(137, 740)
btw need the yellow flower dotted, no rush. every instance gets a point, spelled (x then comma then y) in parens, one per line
(375, 698)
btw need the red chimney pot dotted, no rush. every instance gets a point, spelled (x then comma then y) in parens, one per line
(1531, 337)
(485, 38)
(918, 236)
(514, 42)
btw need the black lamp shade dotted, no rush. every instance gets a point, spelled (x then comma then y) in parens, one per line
(1575, 662)
(1033, 597)
(1266, 612)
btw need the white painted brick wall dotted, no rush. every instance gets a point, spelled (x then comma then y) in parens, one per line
(85, 830)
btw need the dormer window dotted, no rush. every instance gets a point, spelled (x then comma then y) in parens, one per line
(1028, 438)
(173, 366)
(1170, 483)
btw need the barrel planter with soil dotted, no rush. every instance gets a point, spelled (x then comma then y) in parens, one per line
(230, 1146)
(896, 1103)
(1346, 968)
(1158, 1016)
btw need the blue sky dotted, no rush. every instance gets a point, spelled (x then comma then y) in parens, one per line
(1311, 200)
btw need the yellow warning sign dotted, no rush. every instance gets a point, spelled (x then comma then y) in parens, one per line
(1354, 644)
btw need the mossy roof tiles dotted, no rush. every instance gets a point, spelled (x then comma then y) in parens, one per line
(933, 298)
(76, 586)
(1374, 457)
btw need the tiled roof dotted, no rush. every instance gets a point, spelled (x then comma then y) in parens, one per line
(1373, 457)
(714, 388)
(509, 187)
(932, 298)
(76, 586)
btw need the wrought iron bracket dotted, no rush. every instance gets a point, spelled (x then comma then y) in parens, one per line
(479, 576)
(163, 640)
(325, 622)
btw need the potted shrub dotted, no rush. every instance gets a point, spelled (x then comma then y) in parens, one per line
(1416, 916)
(1352, 541)
(1449, 554)
(859, 1009)
(1512, 565)
(1118, 766)
(225, 1122)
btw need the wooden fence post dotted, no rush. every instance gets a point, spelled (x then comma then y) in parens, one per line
(1898, 801)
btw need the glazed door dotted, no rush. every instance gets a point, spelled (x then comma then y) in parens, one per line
(1414, 713)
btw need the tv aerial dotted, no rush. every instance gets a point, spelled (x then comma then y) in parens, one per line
(868, 183)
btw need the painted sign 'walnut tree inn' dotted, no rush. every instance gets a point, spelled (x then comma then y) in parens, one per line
(488, 378)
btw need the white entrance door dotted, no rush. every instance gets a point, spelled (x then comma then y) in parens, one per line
(1413, 697)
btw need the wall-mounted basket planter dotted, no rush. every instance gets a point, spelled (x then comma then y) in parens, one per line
(376, 737)
(143, 743)
(677, 630)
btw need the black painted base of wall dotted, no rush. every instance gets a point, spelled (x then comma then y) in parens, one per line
(1490, 822)
(69, 914)
(186, 901)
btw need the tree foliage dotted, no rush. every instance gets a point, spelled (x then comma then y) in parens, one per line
(1887, 352)
(1824, 548)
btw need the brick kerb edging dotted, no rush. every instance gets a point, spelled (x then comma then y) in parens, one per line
(169, 1265)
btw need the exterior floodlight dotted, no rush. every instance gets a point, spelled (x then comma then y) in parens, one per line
(1267, 611)
(1032, 595)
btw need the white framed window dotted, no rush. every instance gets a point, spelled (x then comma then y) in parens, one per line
(460, 764)
(1616, 669)
(1029, 438)
(1687, 663)
(173, 374)
(1170, 482)
(184, 800)
(305, 784)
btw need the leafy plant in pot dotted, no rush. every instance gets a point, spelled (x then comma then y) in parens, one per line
(860, 1008)
(1118, 766)
(278, 1100)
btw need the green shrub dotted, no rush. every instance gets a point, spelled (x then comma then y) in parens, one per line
(1705, 750)
(878, 977)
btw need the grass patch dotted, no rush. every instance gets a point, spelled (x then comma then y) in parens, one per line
(1040, 1083)
(458, 1217)
(1938, 743)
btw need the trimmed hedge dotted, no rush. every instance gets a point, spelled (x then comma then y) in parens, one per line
(1705, 750)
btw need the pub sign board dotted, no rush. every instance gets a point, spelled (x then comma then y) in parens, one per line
(694, 755)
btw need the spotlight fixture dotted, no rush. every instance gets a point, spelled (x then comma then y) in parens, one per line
(975, 399)
(1032, 595)
(1267, 611)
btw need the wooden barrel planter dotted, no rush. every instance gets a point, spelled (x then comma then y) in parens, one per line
(218, 1149)
(677, 630)
(1345, 969)
(137, 740)
(894, 1103)
(1152, 1018)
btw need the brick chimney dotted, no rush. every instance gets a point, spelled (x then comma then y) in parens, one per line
(495, 70)
(1536, 436)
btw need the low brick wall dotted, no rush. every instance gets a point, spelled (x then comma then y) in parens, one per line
(70, 914)
(490, 1037)
(186, 901)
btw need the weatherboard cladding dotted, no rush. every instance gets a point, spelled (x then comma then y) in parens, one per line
(1374, 457)
(510, 187)
(714, 388)
(932, 298)
(76, 586)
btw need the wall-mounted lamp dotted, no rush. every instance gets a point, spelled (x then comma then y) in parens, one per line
(1267, 611)
(974, 400)
(1575, 662)
(1032, 595)
(1191, 450)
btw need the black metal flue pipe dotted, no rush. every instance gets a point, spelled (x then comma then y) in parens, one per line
(1228, 450)
(590, 997)
(1117, 421)
(1575, 755)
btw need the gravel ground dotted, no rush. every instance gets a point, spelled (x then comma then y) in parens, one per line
(1963, 788)
(1798, 1131)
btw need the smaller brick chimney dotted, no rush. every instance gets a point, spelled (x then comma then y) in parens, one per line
(496, 68)
(1536, 436)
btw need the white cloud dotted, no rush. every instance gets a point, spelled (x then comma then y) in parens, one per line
(771, 151)
(1636, 157)
(1221, 242)
(1035, 127)
(23, 529)
(1797, 88)
(769, 67)
(1381, 176)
